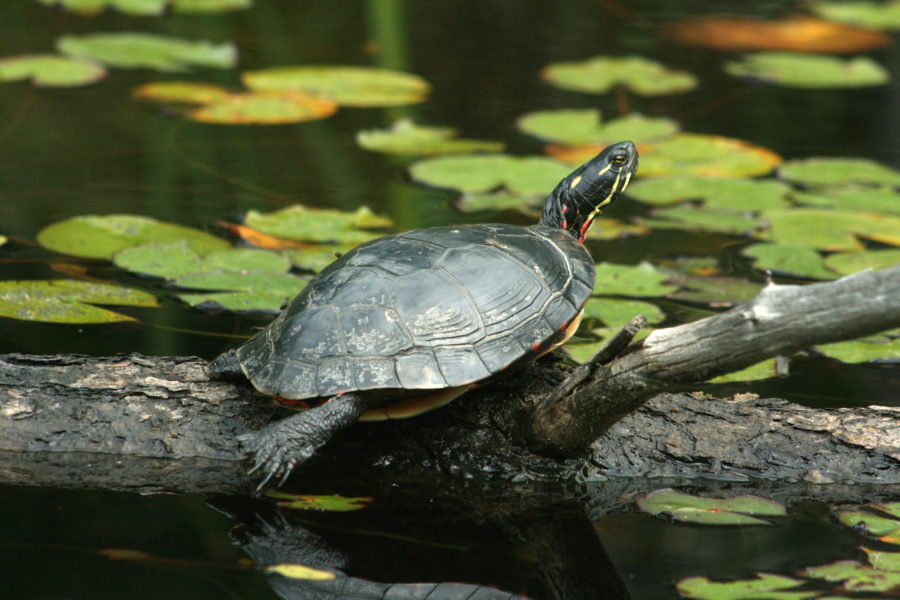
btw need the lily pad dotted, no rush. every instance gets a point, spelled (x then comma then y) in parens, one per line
(149, 7)
(96, 236)
(810, 71)
(713, 290)
(251, 291)
(181, 92)
(530, 175)
(828, 229)
(132, 50)
(819, 171)
(791, 259)
(736, 195)
(873, 15)
(318, 224)
(600, 74)
(584, 126)
(761, 370)
(884, 561)
(698, 219)
(348, 86)
(864, 350)
(706, 155)
(405, 137)
(67, 301)
(710, 511)
(616, 313)
(855, 576)
(846, 263)
(764, 587)
(317, 257)
(297, 571)
(322, 503)
(853, 198)
(177, 258)
(631, 280)
(50, 70)
(870, 523)
(580, 351)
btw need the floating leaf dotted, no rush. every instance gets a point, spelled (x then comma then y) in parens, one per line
(707, 155)
(318, 224)
(891, 508)
(583, 126)
(764, 587)
(712, 511)
(481, 173)
(630, 280)
(295, 571)
(712, 290)
(177, 258)
(3, 239)
(50, 70)
(616, 313)
(828, 229)
(261, 108)
(348, 86)
(873, 15)
(793, 33)
(405, 137)
(181, 92)
(785, 258)
(855, 576)
(884, 561)
(253, 291)
(852, 198)
(136, 50)
(252, 301)
(323, 503)
(601, 73)
(837, 171)
(698, 219)
(317, 257)
(260, 239)
(582, 351)
(761, 370)
(737, 195)
(94, 236)
(864, 350)
(149, 7)
(869, 523)
(67, 301)
(847, 263)
(810, 71)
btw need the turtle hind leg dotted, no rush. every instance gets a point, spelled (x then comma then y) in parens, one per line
(280, 446)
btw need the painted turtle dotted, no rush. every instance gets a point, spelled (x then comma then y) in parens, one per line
(408, 322)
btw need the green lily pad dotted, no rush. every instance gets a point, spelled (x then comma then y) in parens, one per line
(616, 313)
(761, 370)
(810, 71)
(852, 198)
(302, 572)
(891, 508)
(736, 195)
(785, 258)
(262, 108)
(847, 263)
(580, 351)
(698, 219)
(864, 350)
(316, 258)
(713, 290)
(583, 126)
(871, 15)
(828, 229)
(67, 301)
(405, 137)
(706, 155)
(348, 86)
(819, 171)
(3, 239)
(631, 280)
(177, 258)
(711, 511)
(474, 202)
(257, 301)
(530, 175)
(600, 74)
(884, 561)
(50, 70)
(95, 236)
(132, 50)
(855, 576)
(764, 587)
(322, 503)
(250, 291)
(181, 92)
(870, 523)
(306, 224)
(149, 7)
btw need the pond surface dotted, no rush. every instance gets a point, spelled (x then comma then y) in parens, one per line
(94, 150)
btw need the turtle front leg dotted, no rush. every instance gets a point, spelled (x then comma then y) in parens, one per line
(280, 446)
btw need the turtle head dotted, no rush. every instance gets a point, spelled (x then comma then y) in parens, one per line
(579, 197)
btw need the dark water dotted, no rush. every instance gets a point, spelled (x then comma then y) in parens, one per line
(93, 150)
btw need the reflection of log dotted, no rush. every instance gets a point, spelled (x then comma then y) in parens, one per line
(80, 418)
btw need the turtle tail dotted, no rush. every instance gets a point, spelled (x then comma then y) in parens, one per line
(226, 366)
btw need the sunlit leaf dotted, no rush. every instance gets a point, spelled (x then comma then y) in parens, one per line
(698, 219)
(323, 503)
(3, 239)
(855, 576)
(253, 301)
(714, 290)
(792, 33)
(846, 263)
(177, 258)
(260, 239)
(101, 236)
(405, 137)
(50, 70)
(819, 171)
(318, 224)
(891, 508)
(261, 108)
(761, 370)
(630, 280)
(707, 155)
(602, 73)
(181, 92)
(209, 6)
(827, 229)
(583, 126)
(137, 49)
(786, 258)
(149, 7)
(348, 86)
(67, 301)
(712, 511)
(253, 291)
(852, 198)
(883, 561)
(864, 350)
(874, 15)
(295, 571)
(736, 195)
(316, 257)
(616, 313)
(764, 587)
(529, 175)
(810, 71)
(869, 523)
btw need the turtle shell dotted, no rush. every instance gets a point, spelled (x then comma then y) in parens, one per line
(425, 309)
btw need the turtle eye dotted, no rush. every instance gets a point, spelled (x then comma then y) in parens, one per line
(618, 159)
